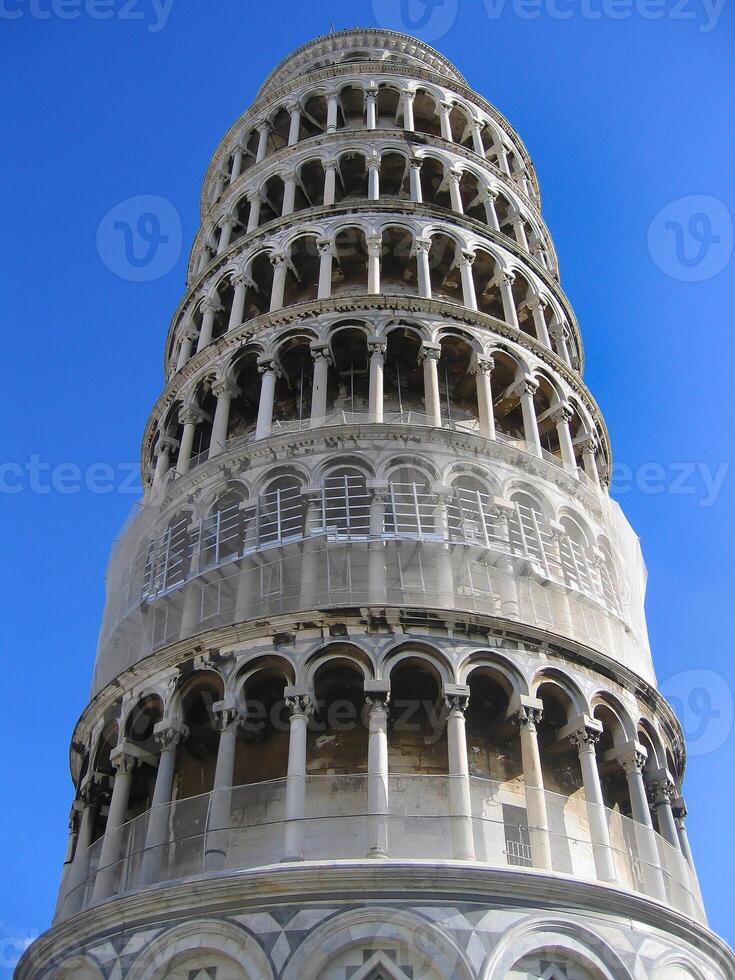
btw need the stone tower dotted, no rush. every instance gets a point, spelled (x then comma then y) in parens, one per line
(373, 697)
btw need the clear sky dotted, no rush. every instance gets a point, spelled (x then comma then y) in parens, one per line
(623, 111)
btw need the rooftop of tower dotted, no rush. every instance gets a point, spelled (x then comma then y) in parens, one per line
(359, 44)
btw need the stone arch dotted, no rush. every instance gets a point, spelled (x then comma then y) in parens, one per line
(432, 954)
(336, 649)
(228, 944)
(418, 650)
(574, 940)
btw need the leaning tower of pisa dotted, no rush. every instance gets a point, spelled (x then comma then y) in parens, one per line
(373, 698)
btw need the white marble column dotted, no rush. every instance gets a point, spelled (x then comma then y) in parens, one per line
(330, 182)
(224, 391)
(483, 369)
(445, 109)
(489, 199)
(164, 448)
(299, 704)
(167, 734)
(502, 511)
(256, 202)
(510, 314)
(371, 104)
(210, 307)
(527, 389)
(463, 842)
(455, 197)
(560, 338)
(236, 163)
(376, 349)
(280, 271)
(373, 165)
(469, 296)
(417, 195)
(332, 106)
(590, 449)
(632, 758)
(108, 873)
(423, 247)
(268, 371)
(322, 360)
(374, 247)
(561, 416)
(228, 719)
(294, 123)
(519, 231)
(529, 717)
(289, 193)
(408, 123)
(219, 186)
(377, 697)
(326, 258)
(187, 343)
(537, 305)
(376, 548)
(79, 869)
(190, 417)
(241, 284)
(477, 145)
(225, 235)
(584, 738)
(430, 356)
(263, 134)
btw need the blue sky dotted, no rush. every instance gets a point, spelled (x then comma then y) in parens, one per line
(622, 115)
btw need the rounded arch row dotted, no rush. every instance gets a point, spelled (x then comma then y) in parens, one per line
(365, 255)
(359, 103)
(380, 170)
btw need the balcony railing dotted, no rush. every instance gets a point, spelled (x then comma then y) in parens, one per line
(417, 821)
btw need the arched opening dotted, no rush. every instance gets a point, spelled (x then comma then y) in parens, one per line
(446, 281)
(311, 185)
(250, 152)
(280, 127)
(223, 529)
(504, 210)
(507, 406)
(545, 400)
(485, 274)
(302, 277)
(314, 115)
(271, 205)
(457, 387)
(522, 294)
(337, 737)
(282, 511)
(207, 404)
(260, 284)
(614, 785)
(493, 748)
(460, 127)
(398, 269)
(262, 748)
(349, 390)
(425, 115)
(434, 184)
(417, 743)
(139, 730)
(352, 183)
(346, 503)
(242, 216)
(388, 107)
(244, 406)
(349, 269)
(102, 765)
(403, 381)
(561, 772)
(351, 108)
(410, 508)
(471, 192)
(394, 176)
(196, 755)
(294, 385)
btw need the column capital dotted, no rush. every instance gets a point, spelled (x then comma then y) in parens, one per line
(277, 259)
(537, 303)
(168, 733)
(483, 365)
(407, 95)
(526, 386)
(226, 714)
(490, 194)
(679, 808)
(455, 174)
(325, 245)
(292, 105)
(422, 245)
(188, 333)
(415, 162)
(661, 791)
(373, 161)
(225, 386)
(529, 713)
(298, 703)
(191, 415)
(561, 413)
(467, 258)
(374, 244)
(122, 761)
(430, 352)
(377, 347)
(288, 175)
(456, 698)
(508, 278)
(321, 352)
(631, 756)
(268, 365)
(211, 305)
(166, 444)
(590, 444)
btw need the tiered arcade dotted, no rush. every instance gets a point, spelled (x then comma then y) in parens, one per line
(373, 696)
